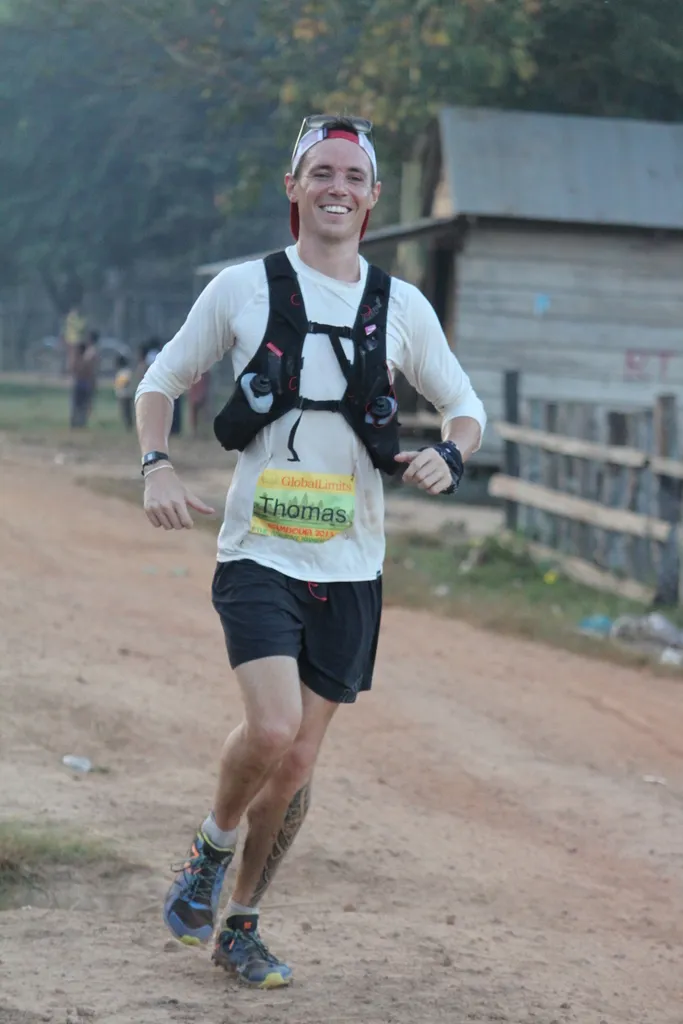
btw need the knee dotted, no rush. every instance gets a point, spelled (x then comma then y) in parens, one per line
(297, 765)
(270, 741)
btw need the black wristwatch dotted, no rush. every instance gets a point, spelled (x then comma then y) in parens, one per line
(149, 458)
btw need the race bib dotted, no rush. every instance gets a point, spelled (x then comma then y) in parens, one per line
(310, 507)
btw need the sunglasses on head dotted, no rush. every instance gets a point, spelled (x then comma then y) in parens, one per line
(319, 122)
(359, 124)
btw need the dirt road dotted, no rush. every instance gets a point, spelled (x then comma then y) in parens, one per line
(483, 846)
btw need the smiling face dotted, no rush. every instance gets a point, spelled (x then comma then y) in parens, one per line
(334, 189)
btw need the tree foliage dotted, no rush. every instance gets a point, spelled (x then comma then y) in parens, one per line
(145, 129)
(109, 152)
(398, 61)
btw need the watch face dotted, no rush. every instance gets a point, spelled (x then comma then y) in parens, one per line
(151, 457)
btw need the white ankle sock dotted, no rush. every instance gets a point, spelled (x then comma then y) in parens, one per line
(240, 910)
(222, 840)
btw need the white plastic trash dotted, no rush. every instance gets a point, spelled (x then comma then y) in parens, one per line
(78, 764)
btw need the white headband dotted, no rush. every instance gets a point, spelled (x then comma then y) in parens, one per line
(315, 135)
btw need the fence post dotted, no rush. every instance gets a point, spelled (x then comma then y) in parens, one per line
(669, 582)
(511, 452)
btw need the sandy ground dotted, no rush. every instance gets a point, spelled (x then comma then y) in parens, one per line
(482, 846)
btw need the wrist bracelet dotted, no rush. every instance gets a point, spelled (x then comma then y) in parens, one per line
(161, 465)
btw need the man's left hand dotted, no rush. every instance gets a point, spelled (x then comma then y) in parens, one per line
(426, 470)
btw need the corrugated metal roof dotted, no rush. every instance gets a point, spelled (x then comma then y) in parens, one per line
(590, 170)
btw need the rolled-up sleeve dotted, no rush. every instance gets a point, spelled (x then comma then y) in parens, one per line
(430, 366)
(203, 339)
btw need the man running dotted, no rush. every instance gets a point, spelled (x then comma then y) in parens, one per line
(315, 334)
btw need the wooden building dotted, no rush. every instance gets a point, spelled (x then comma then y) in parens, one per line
(548, 244)
(566, 254)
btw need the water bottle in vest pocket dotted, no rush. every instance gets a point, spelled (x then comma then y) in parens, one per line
(254, 402)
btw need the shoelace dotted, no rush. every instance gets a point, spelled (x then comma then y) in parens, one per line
(200, 874)
(252, 940)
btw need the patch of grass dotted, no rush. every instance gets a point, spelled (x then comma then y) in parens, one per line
(32, 409)
(27, 852)
(504, 589)
(36, 413)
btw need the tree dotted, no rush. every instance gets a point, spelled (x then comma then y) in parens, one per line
(108, 153)
(619, 59)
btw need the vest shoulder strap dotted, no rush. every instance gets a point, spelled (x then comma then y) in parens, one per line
(287, 310)
(369, 332)
(277, 265)
(287, 302)
(374, 307)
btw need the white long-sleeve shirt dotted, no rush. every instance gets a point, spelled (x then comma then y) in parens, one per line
(321, 519)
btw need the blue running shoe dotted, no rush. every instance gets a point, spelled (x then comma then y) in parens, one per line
(191, 905)
(240, 950)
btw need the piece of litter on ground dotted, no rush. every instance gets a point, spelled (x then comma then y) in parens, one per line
(653, 628)
(655, 780)
(442, 590)
(671, 656)
(180, 571)
(474, 558)
(596, 625)
(78, 764)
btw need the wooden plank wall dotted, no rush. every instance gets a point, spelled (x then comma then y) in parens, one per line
(599, 485)
(585, 316)
(618, 487)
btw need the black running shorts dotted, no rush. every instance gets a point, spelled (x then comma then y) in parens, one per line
(330, 628)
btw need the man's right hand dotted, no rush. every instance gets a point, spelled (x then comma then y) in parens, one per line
(167, 501)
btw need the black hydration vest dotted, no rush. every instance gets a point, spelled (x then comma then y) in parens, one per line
(269, 386)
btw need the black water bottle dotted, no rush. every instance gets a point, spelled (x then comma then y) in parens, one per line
(382, 410)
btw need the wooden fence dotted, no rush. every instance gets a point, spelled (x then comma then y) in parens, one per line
(597, 484)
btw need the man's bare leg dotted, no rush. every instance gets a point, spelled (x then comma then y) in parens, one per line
(277, 813)
(273, 711)
(275, 816)
(294, 819)
(273, 716)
